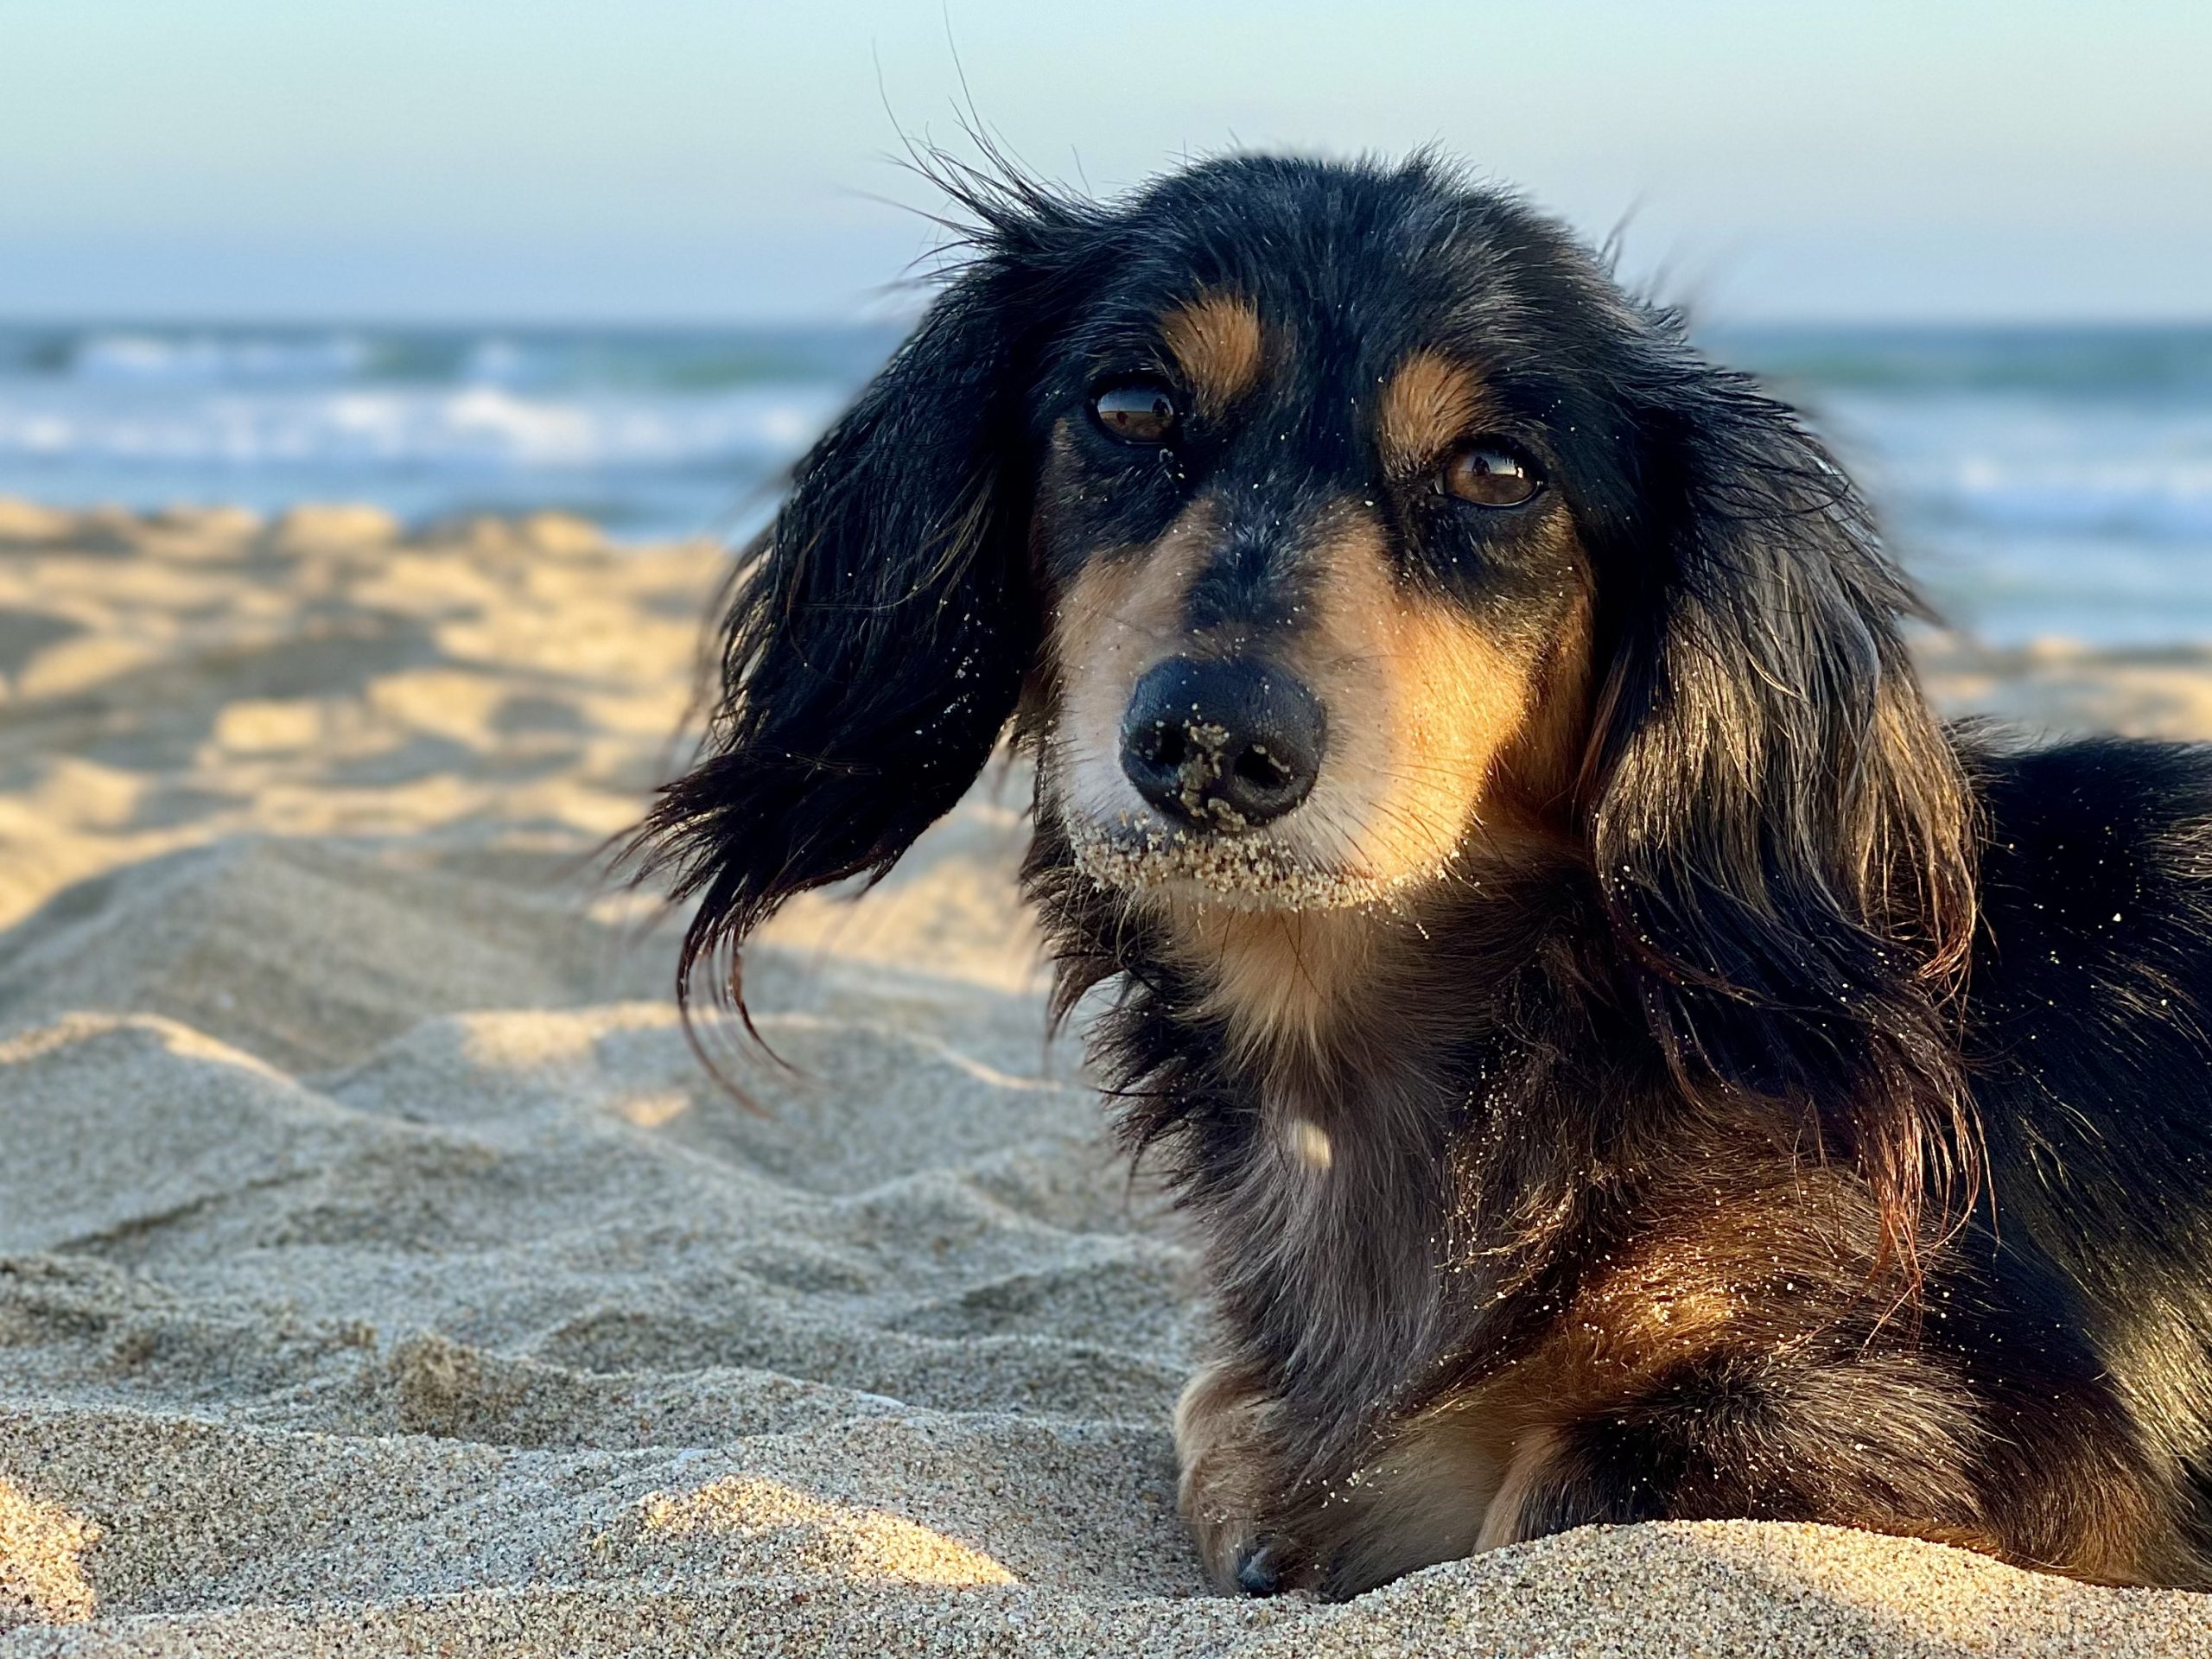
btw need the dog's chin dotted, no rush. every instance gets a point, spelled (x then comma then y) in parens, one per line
(1245, 870)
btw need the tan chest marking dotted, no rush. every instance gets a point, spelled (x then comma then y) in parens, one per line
(1284, 980)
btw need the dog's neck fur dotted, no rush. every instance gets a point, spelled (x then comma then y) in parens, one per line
(1305, 1073)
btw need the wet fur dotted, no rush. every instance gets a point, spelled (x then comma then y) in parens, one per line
(1782, 1106)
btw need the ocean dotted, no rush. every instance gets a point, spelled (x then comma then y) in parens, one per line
(2041, 482)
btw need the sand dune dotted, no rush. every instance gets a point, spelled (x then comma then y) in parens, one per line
(380, 1272)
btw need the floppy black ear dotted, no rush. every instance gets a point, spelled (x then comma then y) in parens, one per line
(882, 628)
(1780, 827)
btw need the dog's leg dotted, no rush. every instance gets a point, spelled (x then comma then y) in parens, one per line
(1421, 1500)
(1885, 1443)
(1225, 1452)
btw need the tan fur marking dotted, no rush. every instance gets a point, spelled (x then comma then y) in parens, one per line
(1428, 404)
(1532, 1457)
(1121, 613)
(1216, 342)
(1279, 975)
(1428, 1493)
(1309, 1144)
(1222, 1430)
(1423, 704)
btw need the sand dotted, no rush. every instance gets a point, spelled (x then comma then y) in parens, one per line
(380, 1273)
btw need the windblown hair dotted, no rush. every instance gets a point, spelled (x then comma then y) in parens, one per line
(1647, 1157)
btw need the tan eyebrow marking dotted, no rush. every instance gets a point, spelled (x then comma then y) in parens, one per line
(1215, 339)
(1426, 405)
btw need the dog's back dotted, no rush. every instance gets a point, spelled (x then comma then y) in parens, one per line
(2090, 1045)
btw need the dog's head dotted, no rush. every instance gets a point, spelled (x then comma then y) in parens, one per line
(1306, 466)
(1326, 524)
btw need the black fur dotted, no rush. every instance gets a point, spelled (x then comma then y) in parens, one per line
(1891, 1038)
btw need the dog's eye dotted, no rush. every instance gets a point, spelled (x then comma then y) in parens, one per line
(1140, 410)
(1491, 475)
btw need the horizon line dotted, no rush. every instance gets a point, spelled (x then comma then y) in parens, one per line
(847, 323)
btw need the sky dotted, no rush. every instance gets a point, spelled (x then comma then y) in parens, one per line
(707, 160)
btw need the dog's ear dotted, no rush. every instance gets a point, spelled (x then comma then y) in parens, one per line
(881, 626)
(1780, 827)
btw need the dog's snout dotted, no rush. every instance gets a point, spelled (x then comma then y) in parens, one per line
(1224, 744)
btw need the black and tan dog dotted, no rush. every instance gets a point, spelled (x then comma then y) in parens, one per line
(1625, 1058)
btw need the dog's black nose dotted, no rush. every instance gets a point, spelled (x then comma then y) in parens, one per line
(1224, 744)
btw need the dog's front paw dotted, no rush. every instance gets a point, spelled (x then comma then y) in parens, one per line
(1227, 1485)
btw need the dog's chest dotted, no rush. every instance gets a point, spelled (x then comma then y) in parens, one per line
(1331, 1057)
(1332, 1239)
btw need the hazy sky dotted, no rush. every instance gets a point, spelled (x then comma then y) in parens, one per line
(660, 160)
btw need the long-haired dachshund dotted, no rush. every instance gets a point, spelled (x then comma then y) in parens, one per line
(1624, 1058)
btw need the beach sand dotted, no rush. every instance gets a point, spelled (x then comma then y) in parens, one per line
(381, 1273)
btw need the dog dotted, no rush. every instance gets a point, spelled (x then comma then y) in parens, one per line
(1622, 1057)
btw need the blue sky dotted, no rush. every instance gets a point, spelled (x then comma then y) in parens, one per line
(675, 160)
